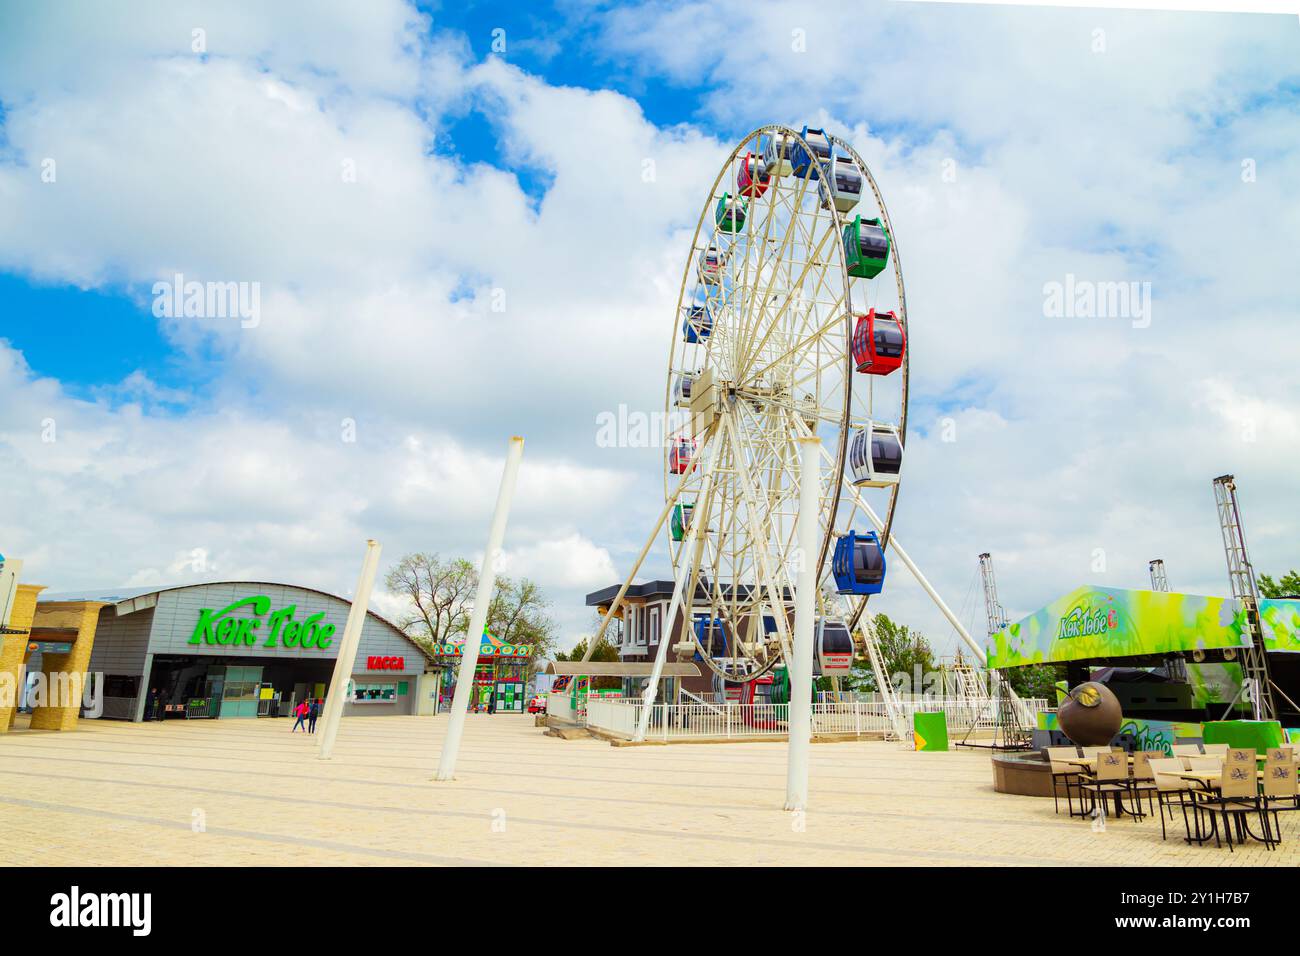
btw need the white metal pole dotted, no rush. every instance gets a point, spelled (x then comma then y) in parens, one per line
(347, 659)
(805, 605)
(689, 556)
(478, 619)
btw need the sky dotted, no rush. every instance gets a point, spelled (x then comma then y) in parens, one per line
(444, 213)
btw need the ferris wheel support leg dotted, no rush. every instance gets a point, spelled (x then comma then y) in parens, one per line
(774, 596)
(805, 607)
(941, 604)
(636, 566)
(693, 545)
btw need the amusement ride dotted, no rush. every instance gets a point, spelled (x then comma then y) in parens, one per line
(791, 321)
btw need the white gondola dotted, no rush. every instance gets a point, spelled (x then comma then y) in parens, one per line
(876, 455)
(710, 265)
(682, 389)
(777, 155)
(834, 647)
(843, 187)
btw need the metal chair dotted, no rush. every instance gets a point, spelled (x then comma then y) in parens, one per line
(1167, 773)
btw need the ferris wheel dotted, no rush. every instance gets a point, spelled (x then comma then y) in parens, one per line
(791, 321)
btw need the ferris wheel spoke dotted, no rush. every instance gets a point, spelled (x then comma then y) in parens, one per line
(806, 342)
(784, 306)
(794, 204)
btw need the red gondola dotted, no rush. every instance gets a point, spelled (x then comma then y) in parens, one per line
(682, 457)
(879, 343)
(752, 178)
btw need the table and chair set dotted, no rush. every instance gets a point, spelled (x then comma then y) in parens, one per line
(1220, 790)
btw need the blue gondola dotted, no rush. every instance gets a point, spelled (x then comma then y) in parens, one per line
(859, 564)
(712, 630)
(805, 163)
(698, 324)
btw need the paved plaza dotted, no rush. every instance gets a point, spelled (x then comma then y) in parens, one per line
(247, 792)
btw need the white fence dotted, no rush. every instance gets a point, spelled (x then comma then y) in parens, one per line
(560, 706)
(620, 717)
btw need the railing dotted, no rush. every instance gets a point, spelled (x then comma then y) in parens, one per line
(620, 717)
(560, 706)
(119, 708)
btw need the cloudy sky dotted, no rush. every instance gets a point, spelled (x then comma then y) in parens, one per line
(453, 242)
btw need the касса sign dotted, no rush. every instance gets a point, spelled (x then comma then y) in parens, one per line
(225, 628)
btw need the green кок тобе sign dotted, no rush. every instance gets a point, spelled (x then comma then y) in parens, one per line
(1097, 623)
(257, 626)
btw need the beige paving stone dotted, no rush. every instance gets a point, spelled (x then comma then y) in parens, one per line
(250, 793)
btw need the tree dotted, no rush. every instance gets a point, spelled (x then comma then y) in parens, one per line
(903, 650)
(441, 596)
(604, 651)
(517, 615)
(1036, 680)
(1286, 586)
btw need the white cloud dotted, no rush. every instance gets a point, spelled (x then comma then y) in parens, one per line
(568, 562)
(376, 294)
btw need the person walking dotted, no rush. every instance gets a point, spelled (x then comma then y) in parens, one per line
(301, 711)
(312, 713)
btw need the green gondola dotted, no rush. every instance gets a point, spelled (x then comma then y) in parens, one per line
(681, 520)
(730, 214)
(866, 247)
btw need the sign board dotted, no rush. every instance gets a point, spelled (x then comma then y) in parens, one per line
(241, 624)
(1092, 622)
(51, 647)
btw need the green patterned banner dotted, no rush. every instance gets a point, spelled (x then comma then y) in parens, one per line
(1280, 619)
(1092, 622)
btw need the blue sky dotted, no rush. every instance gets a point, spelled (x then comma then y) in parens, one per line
(520, 172)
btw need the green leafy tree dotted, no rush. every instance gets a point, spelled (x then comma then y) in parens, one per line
(905, 651)
(1288, 585)
(1036, 680)
(518, 615)
(440, 599)
(604, 651)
